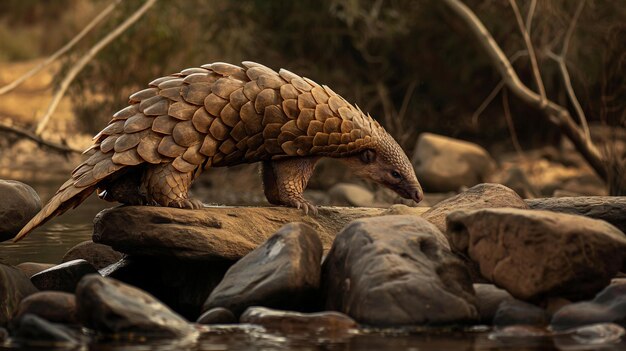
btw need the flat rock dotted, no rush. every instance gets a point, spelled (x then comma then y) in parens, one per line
(393, 271)
(19, 204)
(539, 254)
(63, 277)
(517, 312)
(284, 272)
(293, 322)
(53, 306)
(447, 164)
(97, 255)
(111, 307)
(14, 287)
(485, 195)
(217, 315)
(213, 232)
(488, 299)
(609, 208)
(32, 268)
(32, 330)
(609, 306)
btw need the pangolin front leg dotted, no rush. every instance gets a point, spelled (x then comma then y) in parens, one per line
(284, 182)
(164, 185)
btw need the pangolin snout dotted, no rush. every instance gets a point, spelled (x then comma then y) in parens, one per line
(418, 195)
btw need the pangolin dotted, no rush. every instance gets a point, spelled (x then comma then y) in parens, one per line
(219, 115)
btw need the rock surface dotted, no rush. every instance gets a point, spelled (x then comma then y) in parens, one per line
(36, 331)
(14, 287)
(609, 306)
(347, 194)
(393, 271)
(63, 277)
(538, 254)
(19, 204)
(293, 322)
(112, 307)
(284, 272)
(213, 232)
(32, 268)
(517, 312)
(488, 299)
(609, 208)
(446, 164)
(53, 306)
(97, 255)
(217, 315)
(480, 196)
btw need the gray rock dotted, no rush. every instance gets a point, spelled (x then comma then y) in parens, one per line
(609, 306)
(217, 315)
(36, 331)
(19, 204)
(53, 306)
(97, 255)
(284, 272)
(393, 271)
(32, 268)
(517, 312)
(538, 254)
(609, 208)
(488, 299)
(480, 196)
(63, 277)
(446, 164)
(289, 322)
(347, 194)
(14, 287)
(111, 307)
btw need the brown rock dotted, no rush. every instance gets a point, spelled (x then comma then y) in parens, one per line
(488, 298)
(480, 196)
(19, 204)
(32, 268)
(14, 287)
(537, 254)
(393, 271)
(217, 315)
(293, 322)
(53, 306)
(98, 255)
(63, 277)
(212, 232)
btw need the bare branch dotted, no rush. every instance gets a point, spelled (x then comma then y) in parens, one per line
(531, 50)
(7, 88)
(509, 122)
(531, 13)
(73, 72)
(41, 142)
(570, 29)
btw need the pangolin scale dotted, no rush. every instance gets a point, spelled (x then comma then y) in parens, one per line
(221, 114)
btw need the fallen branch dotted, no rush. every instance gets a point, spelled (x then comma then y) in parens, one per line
(64, 149)
(85, 60)
(7, 88)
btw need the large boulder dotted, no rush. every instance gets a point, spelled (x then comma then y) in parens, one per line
(63, 277)
(446, 164)
(19, 204)
(111, 307)
(485, 195)
(609, 208)
(609, 306)
(393, 271)
(97, 255)
(14, 287)
(213, 233)
(284, 272)
(538, 254)
(53, 306)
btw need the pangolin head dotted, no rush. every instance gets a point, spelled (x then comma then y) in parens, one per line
(386, 163)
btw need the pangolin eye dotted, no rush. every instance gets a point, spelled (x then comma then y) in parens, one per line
(396, 175)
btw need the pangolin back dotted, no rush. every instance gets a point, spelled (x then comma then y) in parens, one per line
(216, 115)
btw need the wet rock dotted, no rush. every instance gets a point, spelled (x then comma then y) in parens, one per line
(407, 278)
(480, 196)
(284, 272)
(112, 307)
(32, 268)
(63, 277)
(212, 233)
(446, 164)
(609, 306)
(97, 255)
(217, 315)
(14, 286)
(609, 208)
(293, 322)
(515, 312)
(538, 254)
(32, 330)
(19, 204)
(596, 334)
(488, 299)
(53, 306)
(347, 194)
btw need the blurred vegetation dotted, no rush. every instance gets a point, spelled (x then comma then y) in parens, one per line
(409, 63)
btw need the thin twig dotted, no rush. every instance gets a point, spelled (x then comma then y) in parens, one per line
(85, 60)
(45, 143)
(531, 51)
(529, 16)
(7, 88)
(509, 122)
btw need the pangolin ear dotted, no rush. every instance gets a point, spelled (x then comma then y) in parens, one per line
(368, 156)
